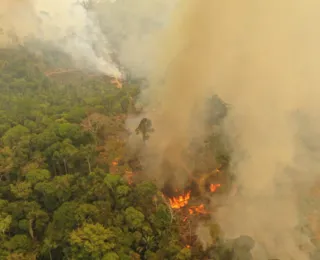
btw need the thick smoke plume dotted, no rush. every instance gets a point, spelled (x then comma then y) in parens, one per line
(98, 34)
(131, 27)
(263, 58)
(65, 24)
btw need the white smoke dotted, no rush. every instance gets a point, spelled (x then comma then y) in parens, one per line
(66, 24)
(133, 27)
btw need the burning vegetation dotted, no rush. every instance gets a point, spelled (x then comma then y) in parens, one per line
(191, 209)
(206, 166)
(197, 209)
(214, 187)
(192, 204)
(180, 201)
(116, 82)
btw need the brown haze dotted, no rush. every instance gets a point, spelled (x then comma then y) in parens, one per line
(16, 16)
(263, 58)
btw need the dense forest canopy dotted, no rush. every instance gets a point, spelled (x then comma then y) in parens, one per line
(96, 163)
(69, 188)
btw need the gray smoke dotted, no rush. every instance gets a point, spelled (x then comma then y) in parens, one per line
(263, 58)
(98, 34)
(132, 27)
(65, 24)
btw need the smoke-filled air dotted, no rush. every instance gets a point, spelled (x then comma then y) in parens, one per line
(262, 58)
(65, 25)
(100, 35)
(208, 147)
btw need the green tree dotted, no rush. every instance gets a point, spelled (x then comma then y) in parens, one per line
(134, 218)
(14, 135)
(62, 197)
(21, 190)
(111, 256)
(55, 192)
(6, 162)
(145, 128)
(35, 176)
(86, 213)
(5, 222)
(63, 222)
(37, 222)
(184, 254)
(87, 152)
(92, 241)
(19, 244)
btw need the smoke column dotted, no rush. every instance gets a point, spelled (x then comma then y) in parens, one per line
(131, 27)
(65, 24)
(263, 58)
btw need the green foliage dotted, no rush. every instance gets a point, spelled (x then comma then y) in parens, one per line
(64, 218)
(5, 222)
(184, 254)
(19, 244)
(14, 135)
(111, 256)
(112, 180)
(86, 213)
(6, 162)
(92, 241)
(61, 197)
(21, 190)
(53, 193)
(38, 175)
(23, 225)
(134, 218)
(161, 218)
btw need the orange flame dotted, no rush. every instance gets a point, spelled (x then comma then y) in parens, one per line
(214, 187)
(197, 209)
(180, 201)
(129, 176)
(114, 163)
(117, 82)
